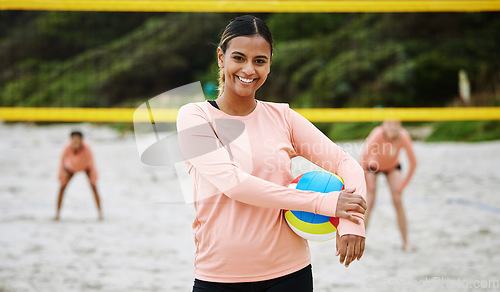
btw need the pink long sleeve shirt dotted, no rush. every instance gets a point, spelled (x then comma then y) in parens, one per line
(382, 154)
(241, 167)
(75, 161)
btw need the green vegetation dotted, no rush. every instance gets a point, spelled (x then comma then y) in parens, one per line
(111, 59)
(156, 55)
(466, 131)
(351, 131)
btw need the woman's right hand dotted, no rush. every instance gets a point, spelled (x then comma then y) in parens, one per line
(349, 201)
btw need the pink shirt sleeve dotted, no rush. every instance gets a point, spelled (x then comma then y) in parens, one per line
(313, 145)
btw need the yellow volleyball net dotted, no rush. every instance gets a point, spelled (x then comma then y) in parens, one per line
(255, 6)
(54, 114)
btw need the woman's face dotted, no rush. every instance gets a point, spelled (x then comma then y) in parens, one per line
(246, 63)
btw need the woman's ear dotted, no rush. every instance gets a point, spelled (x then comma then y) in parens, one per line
(220, 57)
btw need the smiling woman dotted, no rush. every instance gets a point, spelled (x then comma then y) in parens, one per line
(245, 66)
(240, 190)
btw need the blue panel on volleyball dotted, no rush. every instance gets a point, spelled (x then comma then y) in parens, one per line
(315, 181)
(334, 185)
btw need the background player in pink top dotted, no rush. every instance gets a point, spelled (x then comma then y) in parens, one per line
(381, 154)
(240, 187)
(76, 157)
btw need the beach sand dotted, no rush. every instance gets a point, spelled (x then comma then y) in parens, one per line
(145, 241)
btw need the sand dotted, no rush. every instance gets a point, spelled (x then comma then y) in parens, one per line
(145, 242)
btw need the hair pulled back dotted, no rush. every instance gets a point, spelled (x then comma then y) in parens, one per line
(76, 133)
(246, 25)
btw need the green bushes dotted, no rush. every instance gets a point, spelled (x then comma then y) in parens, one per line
(466, 131)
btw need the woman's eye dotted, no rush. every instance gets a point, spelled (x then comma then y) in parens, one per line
(260, 61)
(238, 58)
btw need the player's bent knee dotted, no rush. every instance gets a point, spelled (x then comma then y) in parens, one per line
(397, 200)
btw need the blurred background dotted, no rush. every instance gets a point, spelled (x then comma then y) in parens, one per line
(119, 60)
(322, 60)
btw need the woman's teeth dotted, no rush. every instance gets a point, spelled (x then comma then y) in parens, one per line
(245, 80)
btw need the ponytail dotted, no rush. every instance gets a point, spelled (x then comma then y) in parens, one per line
(222, 80)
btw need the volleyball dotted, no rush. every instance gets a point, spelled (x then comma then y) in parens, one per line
(308, 225)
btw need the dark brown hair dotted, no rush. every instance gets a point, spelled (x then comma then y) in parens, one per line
(76, 133)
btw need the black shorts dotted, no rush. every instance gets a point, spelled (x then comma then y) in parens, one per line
(300, 281)
(69, 172)
(376, 171)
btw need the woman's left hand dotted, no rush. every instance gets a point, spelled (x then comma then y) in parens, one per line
(350, 247)
(349, 202)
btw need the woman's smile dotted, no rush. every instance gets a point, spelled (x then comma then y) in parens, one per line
(246, 81)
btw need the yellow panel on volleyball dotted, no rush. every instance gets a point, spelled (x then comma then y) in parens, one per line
(322, 228)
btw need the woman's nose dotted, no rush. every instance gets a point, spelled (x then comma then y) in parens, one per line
(248, 69)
